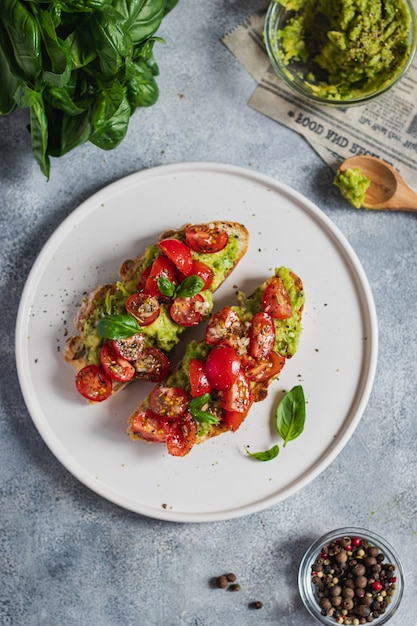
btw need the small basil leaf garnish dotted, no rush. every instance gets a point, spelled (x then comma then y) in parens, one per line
(117, 326)
(291, 414)
(166, 286)
(190, 286)
(195, 408)
(266, 455)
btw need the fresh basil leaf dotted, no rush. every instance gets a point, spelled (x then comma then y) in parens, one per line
(117, 326)
(194, 407)
(110, 117)
(291, 414)
(190, 286)
(165, 286)
(265, 455)
(8, 79)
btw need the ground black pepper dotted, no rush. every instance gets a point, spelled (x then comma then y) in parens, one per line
(354, 584)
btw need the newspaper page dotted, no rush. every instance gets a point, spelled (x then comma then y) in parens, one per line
(385, 127)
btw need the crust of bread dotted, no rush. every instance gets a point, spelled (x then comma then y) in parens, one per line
(74, 352)
(259, 390)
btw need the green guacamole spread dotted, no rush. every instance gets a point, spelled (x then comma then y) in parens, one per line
(353, 186)
(346, 49)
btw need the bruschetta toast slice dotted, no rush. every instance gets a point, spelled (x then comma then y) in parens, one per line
(214, 386)
(126, 329)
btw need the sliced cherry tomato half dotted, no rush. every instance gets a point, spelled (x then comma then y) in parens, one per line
(198, 378)
(262, 335)
(203, 271)
(188, 311)
(181, 435)
(169, 402)
(222, 367)
(130, 347)
(149, 426)
(233, 419)
(93, 383)
(276, 300)
(115, 365)
(143, 277)
(223, 323)
(204, 239)
(161, 267)
(178, 253)
(144, 307)
(260, 370)
(238, 397)
(152, 365)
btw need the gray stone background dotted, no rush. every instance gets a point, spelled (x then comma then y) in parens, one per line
(69, 557)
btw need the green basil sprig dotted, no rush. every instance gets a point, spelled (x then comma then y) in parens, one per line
(117, 326)
(266, 455)
(290, 420)
(291, 414)
(190, 286)
(195, 408)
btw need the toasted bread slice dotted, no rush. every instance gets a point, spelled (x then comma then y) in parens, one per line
(163, 334)
(262, 330)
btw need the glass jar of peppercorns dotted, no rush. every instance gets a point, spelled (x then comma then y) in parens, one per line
(351, 576)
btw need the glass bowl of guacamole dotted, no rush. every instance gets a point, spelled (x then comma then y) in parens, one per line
(341, 52)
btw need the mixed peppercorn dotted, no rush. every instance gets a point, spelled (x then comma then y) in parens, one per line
(354, 584)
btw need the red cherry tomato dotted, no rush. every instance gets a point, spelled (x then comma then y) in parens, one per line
(260, 370)
(93, 383)
(203, 239)
(143, 277)
(144, 307)
(162, 266)
(115, 365)
(178, 253)
(238, 397)
(262, 335)
(203, 271)
(181, 435)
(233, 419)
(169, 402)
(276, 300)
(149, 426)
(222, 367)
(198, 378)
(152, 365)
(188, 311)
(223, 323)
(130, 347)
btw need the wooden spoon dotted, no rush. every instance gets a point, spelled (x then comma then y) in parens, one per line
(388, 190)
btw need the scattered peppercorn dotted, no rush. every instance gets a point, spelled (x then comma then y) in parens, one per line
(354, 584)
(227, 581)
(256, 605)
(222, 582)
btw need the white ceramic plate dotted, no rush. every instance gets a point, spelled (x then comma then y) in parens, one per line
(335, 362)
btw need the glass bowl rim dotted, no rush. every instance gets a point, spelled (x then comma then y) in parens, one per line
(306, 587)
(276, 10)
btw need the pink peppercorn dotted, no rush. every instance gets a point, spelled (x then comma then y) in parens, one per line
(376, 586)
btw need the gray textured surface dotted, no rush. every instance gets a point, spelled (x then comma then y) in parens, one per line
(68, 557)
